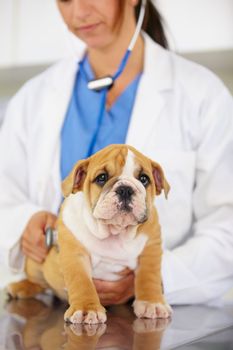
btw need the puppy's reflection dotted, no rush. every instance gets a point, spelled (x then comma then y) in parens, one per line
(43, 323)
(44, 328)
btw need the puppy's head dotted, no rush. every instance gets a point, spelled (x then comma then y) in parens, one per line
(119, 184)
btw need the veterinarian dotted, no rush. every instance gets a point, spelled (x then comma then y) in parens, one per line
(172, 110)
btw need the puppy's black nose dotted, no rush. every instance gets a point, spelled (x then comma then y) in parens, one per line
(124, 192)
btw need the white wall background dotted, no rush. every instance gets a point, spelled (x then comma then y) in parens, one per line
(202, 30)
(198, 25)
(32, 36)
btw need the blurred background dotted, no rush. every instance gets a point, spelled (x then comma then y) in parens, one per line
(32, 37)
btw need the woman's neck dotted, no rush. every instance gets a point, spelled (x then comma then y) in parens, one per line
(110, 64)
(106, 62)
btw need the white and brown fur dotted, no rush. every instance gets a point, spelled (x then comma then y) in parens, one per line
(102, 231)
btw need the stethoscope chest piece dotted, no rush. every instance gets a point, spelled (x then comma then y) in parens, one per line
(50, 237)
(101, 83)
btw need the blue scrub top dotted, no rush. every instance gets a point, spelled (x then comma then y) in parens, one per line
(82, 116)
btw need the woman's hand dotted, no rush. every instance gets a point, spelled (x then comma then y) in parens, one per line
(33, 238)
(117, 292)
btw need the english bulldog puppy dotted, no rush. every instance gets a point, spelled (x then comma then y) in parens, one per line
(107, 222)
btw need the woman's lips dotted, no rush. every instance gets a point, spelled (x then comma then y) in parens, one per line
(88, 28)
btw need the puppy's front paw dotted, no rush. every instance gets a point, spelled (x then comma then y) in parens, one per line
(145, 309)
(77, 314)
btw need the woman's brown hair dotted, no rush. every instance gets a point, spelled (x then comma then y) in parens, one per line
(153, 23)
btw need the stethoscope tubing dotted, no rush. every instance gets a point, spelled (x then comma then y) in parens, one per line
(104, 90)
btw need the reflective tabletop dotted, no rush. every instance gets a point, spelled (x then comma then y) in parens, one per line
(37, 324)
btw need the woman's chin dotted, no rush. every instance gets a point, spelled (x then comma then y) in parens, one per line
(94, 41)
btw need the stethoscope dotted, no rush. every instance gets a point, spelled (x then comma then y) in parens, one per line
(102, 85)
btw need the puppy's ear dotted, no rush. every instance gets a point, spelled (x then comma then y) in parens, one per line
(159, 179)
(74, 181)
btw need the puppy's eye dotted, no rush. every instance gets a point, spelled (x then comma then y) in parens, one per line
(145, 180)
(101, 179)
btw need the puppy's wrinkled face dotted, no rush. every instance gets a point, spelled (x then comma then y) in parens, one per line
(120, 200)
(119, 184)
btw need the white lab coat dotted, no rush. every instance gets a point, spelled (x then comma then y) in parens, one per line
(182, 118)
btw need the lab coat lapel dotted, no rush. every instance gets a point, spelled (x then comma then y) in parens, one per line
(53, 112)
(146, 110)
(150, 100)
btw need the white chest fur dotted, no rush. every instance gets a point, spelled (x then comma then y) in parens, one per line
(110, 255)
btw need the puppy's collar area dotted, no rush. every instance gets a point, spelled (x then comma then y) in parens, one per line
(104, 228)
(124, 233)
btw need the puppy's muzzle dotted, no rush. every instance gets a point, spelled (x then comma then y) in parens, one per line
(125, 194)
